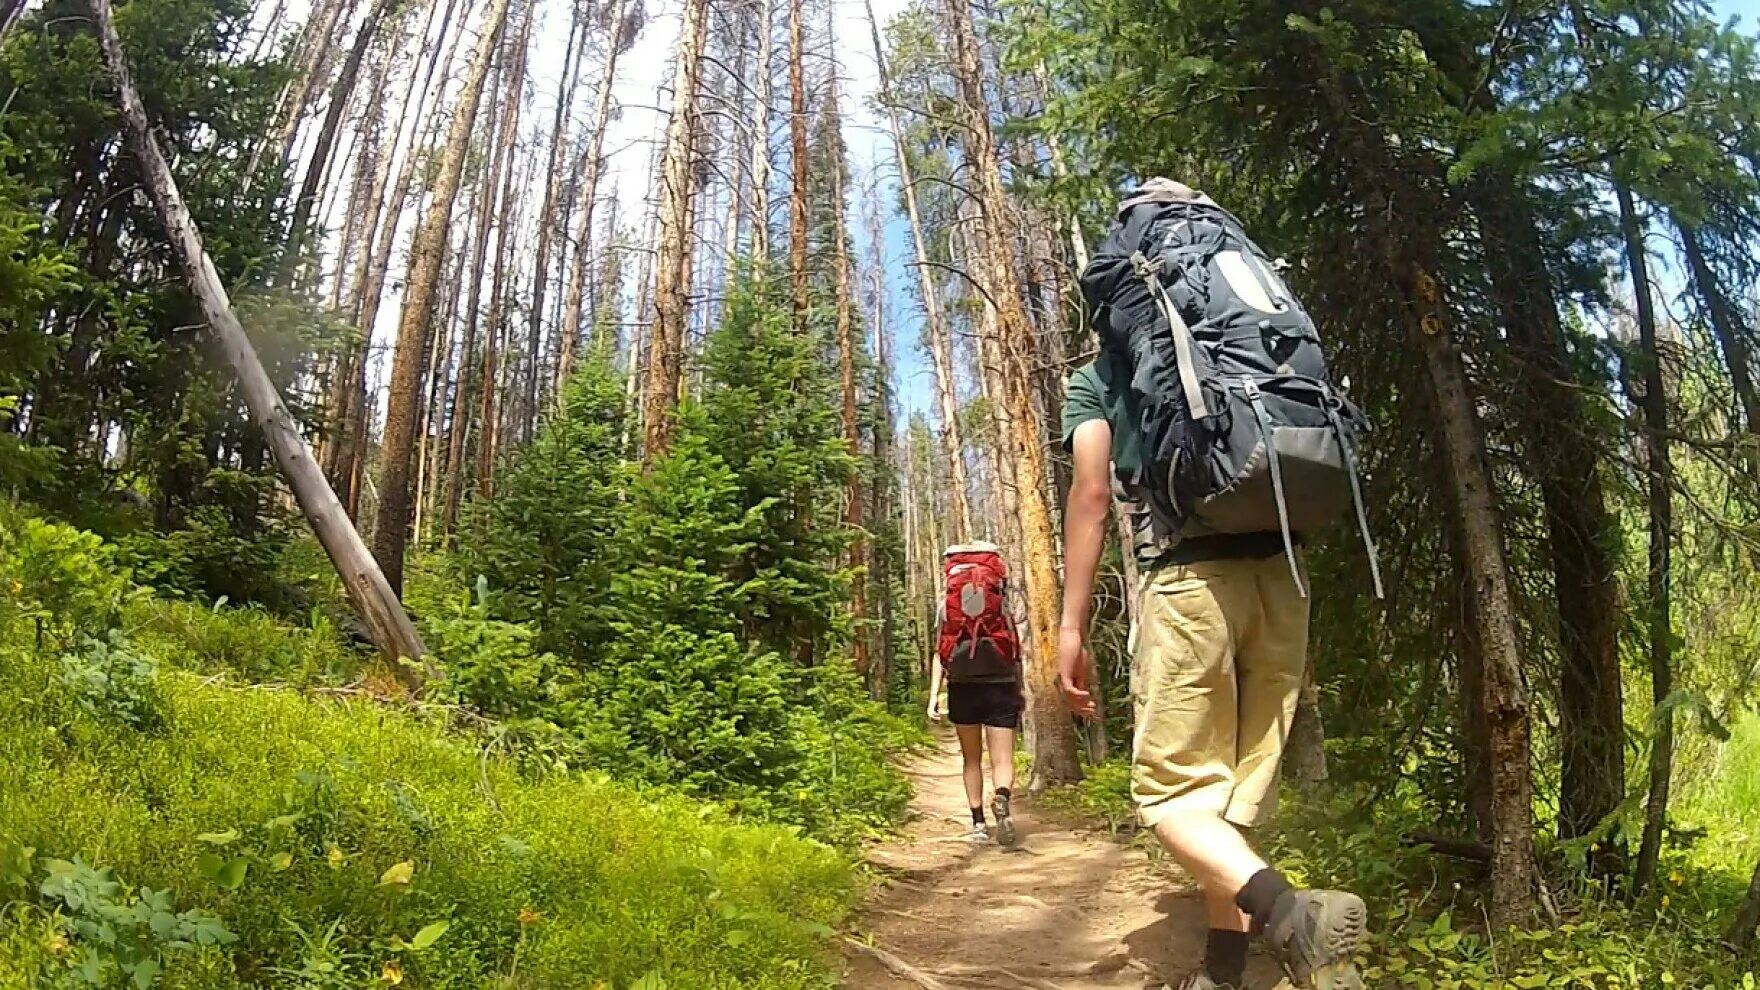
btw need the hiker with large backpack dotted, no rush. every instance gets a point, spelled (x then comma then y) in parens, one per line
(978, 658)
(1211, 406)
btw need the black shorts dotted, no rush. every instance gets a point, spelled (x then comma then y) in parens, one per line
(996, 703)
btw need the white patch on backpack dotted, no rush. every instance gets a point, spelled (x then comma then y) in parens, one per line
(971, 601)
(1244, 280)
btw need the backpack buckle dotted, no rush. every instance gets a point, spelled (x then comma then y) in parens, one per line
(1143, 268)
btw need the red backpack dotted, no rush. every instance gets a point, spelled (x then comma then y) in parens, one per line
(977, 639)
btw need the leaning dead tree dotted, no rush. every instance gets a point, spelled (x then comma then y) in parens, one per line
(387, 623)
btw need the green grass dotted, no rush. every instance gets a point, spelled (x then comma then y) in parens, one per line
(613, 885)
(1724, 800)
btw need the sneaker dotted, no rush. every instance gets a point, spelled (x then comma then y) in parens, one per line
(1005, 834)
(1314, 935)
(980, 833)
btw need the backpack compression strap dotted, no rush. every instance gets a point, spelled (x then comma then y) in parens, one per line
(1183, 343)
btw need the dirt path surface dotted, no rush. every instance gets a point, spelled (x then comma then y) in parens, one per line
(1070, 908)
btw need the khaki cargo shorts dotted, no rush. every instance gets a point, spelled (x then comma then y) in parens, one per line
(1216, 664)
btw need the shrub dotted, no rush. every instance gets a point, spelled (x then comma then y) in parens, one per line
(63, 581)
(110, 679)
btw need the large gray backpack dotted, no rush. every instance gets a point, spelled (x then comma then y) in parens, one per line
(1243, 430)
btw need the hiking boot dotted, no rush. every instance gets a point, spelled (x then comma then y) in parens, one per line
(1005, 834)
(1314, 934)
(980, 833)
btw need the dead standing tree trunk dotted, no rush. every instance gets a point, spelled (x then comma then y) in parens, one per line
(386, 621)
(935, 321)
(552, 190)
(1054, 743)
(623, 32)
(672, 257)
(797, 142)
(427, 253)
(340, 96)
(846, 352)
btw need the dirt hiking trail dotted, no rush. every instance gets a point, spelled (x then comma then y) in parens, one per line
(1069, 908)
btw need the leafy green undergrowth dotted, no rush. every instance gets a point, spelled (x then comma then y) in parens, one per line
(253, 837)
(1428, 925)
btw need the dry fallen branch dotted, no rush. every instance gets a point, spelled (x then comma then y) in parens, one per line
(896, 966)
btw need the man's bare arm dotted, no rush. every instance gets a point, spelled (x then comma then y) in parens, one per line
(1084, 537)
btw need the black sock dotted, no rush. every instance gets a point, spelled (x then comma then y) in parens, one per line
(1260, 893)
(1225, 956)
(1002, 792)
(978, 816)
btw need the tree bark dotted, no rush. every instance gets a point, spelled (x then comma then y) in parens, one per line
(340, 95)
(314, 50)
(488, 196)
(846, 353)
(498, 334)
(1054, 744)
(797, 200)
(935, 321)
(386, 622)
(427, 253)
(1583, 534)
(761, 141)
(1659, 473)
(1505, 709)
(552, 188)
(592, 163)
(672, 269)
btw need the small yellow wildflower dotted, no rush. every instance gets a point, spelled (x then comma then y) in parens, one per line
(1674, 877)
(58, 944)
(391, 974)
(334, 856)
(528, 917)
(1665, 900)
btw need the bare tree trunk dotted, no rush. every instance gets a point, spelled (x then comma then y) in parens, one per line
(385, 619)
(940, 341)
(552, 188)
(428, 436)
(592, 163)
(1659, 472)
(846, 352)
(1054, 744)
(314, 50)
(672, 267)
(1583, 535)
(1513, 876)
(761, 140)
(797, 200)
(340, 96)
(885, 488)
(736, 134)
(499, 331)
(427, 253)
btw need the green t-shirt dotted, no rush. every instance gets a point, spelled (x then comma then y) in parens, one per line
(1097, 391)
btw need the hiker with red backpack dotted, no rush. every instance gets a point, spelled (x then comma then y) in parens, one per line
(1211, 405)
(978, 657)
